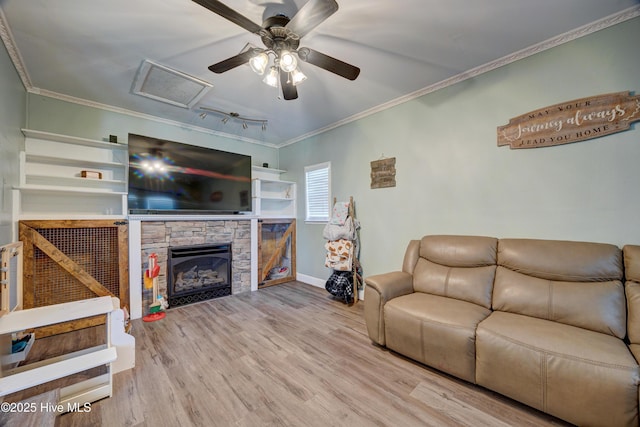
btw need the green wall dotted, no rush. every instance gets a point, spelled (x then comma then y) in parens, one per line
(67, 118)
(12, 119)
(453, 179)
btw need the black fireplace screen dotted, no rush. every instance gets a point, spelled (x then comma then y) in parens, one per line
(198, 273)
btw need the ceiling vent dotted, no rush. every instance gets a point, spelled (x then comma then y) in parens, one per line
(164, 84)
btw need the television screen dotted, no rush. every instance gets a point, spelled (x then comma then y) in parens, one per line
(171, 177)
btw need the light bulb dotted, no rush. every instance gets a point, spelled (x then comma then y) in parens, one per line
(288, 62)
(297, 77)
(259, 63)
(272, 78)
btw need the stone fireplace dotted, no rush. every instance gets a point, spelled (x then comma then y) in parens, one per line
(159, 236)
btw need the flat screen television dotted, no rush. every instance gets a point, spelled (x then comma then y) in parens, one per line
(167, 177)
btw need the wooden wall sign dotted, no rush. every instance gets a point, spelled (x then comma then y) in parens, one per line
(383, 173)
(572, 121)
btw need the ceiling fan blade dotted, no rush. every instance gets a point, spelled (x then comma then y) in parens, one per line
(289, 91)
(328, 63)
(311, 15)
(230, 14)
(233, 62)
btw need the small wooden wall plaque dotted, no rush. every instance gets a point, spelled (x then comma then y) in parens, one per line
(572, 121)
(383, 173)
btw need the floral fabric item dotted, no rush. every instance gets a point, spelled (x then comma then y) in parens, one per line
(340, 213)
(339, 255)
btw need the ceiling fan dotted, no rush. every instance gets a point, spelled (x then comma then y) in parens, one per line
(281, 36)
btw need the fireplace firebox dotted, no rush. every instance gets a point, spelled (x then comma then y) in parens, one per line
(198, 273)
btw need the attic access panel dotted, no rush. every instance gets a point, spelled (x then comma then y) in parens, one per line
(167, 85)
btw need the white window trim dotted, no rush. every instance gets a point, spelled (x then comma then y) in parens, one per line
(318, 218)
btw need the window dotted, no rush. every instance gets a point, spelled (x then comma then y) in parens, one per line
(317, 184)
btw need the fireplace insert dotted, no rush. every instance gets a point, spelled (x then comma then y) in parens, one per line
(198, 273)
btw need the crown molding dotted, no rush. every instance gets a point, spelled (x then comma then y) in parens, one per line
(14, 53)
(577, 33)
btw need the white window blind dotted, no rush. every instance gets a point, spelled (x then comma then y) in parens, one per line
(318, 181)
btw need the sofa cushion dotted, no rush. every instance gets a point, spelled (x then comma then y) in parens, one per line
(633, 304)
(434, 330)
(632, 288)
(461, 267)
(544, 364)
(599, 306)
(557, 280)
(632, 262)
(562, 260)
(635, 350)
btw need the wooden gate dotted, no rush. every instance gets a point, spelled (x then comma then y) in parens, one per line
(71, 260)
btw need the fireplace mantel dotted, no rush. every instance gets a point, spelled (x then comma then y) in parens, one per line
(180, 217)
(136, 249)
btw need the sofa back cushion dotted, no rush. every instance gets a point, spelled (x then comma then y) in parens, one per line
(576, 283)
(632, 287)
(461, 267)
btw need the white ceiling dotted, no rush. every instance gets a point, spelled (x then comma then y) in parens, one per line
(90, 51)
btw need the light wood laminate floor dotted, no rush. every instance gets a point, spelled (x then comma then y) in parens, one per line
(285, 355)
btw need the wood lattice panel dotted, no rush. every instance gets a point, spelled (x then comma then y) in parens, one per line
(95, 250)
(276, 244)
(68, 261)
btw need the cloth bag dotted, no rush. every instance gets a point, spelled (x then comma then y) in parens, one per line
(340, 285)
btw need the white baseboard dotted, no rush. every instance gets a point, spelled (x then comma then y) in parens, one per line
(310, 280)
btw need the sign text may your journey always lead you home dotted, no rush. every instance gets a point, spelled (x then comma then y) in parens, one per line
(571, 121)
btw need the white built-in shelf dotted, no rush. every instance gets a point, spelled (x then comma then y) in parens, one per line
(262, 172)
(67, 139)
(71, 183)
(33, 188)
(273, 197)
(51, 183)
(35, 158)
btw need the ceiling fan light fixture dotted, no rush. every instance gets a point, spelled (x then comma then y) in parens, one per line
(288, 62)
(297, 77)
(272, 78)
(281, 37)
(259, 63)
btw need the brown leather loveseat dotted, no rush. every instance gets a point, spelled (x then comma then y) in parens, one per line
(541, 321)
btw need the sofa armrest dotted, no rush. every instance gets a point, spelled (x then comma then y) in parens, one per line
(378, 290)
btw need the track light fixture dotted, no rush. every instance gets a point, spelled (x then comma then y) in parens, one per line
(232, 115)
